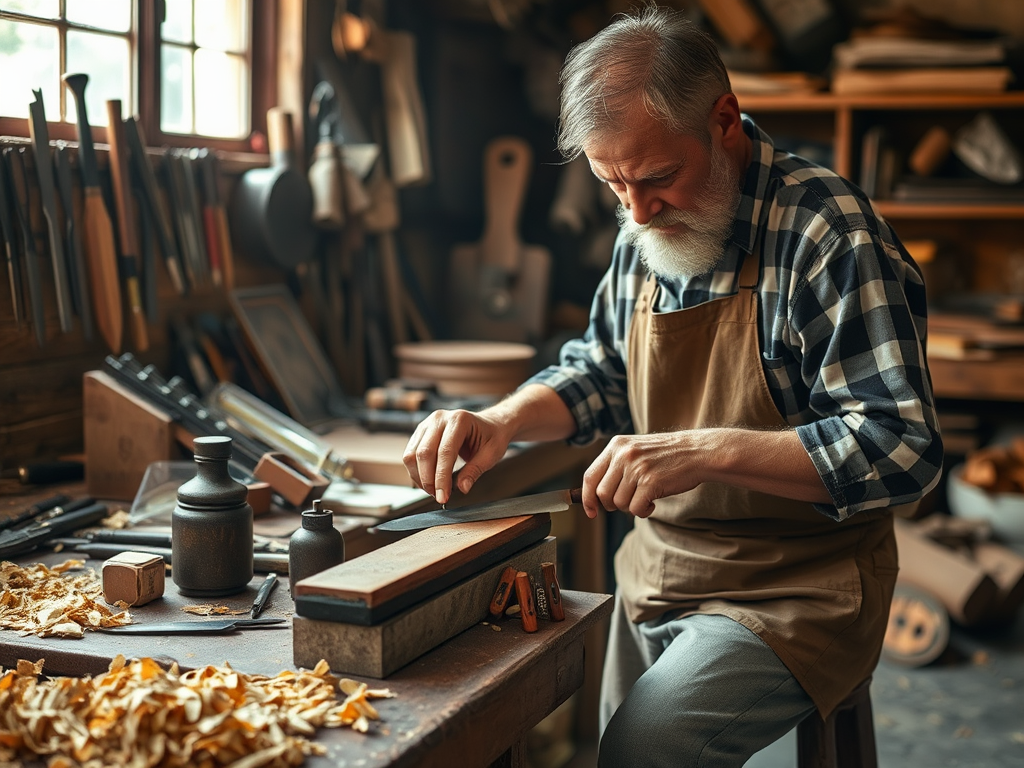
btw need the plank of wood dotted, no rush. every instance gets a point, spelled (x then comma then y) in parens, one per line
(377, 651)
(384, 582)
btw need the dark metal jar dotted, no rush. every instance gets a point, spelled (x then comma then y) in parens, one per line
(211, 526)
(314, 547)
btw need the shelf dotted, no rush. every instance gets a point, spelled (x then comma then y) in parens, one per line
(893, 209)
(824, 101)
(1000, 379)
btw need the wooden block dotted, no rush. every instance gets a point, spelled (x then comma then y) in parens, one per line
(123, 435)
(379, 650)
(135, 578)
(384, 582)
(959, 583)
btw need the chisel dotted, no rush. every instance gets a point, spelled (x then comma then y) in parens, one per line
(48, 196)
(22, 205)
(126, 223)
(11, 254)
(76, 260)
(100, 253)
(147, 184)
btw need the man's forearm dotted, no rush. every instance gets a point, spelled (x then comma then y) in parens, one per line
(774, 462)
(534, 414)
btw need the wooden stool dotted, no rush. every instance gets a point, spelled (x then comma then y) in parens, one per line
(845, 739)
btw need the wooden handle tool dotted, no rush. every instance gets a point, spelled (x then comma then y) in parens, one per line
(527, 609)
(126, 222)
(100, 252)
(503, 593)
(554, 594)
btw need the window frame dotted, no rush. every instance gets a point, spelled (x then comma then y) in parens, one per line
(145, 40)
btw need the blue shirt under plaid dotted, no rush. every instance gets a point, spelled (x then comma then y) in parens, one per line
(842, 330)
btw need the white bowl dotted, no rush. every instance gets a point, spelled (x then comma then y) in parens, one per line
(1004, 511)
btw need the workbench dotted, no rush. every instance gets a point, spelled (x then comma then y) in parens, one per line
(469, 702)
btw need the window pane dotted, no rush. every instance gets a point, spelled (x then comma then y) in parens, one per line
(46, 9)
(222, 88)
(176, 90)
(222, 24)
(177, 26)
(29, 50)
(115, 15)
(106, 60)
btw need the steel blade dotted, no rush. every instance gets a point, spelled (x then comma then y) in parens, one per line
(537, 504)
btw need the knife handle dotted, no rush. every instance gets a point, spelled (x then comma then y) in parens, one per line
(554, 594)
(503, 592)
(527, 609)
(576, 496)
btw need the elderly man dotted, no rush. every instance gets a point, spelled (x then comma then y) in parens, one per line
(757, 353)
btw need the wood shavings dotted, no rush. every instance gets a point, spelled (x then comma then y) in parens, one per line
(117, 520)
(208, 609)
(35, 599)
(138, 714)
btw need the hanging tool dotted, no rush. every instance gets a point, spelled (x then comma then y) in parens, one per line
(188, 158)
(75, 258)
(126, 222)
(178, 167)
(325, 170)
(100, 253)
(22, 205)
(11, 255)
(44, 171)
(218, 236)
(146, 184)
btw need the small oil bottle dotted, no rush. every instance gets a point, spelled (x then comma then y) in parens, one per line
(314, 547)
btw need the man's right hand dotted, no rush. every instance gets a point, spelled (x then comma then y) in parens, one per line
(442, 438)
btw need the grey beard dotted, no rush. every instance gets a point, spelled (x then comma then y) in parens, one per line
(697, 249)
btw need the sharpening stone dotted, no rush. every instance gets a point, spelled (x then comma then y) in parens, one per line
(378, 650)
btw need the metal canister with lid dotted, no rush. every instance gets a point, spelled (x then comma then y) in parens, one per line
(211, 526)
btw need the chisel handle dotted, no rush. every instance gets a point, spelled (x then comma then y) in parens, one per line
(527, 609)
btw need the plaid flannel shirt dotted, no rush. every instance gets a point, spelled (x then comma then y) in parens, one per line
(842, 331)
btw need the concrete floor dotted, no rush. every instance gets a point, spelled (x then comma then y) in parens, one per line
(965, 710)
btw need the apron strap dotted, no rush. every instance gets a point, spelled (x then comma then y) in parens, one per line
(749, 270)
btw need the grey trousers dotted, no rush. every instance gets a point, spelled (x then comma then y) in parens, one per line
(697, 691)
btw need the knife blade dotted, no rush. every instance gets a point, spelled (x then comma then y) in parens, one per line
(536, 504)
(76, 260)
(216, 626)
(22, 206)
(47, 194)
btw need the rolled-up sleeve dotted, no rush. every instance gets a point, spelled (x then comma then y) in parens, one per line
(875, 439)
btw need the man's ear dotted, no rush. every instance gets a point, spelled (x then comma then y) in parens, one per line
(725, 120)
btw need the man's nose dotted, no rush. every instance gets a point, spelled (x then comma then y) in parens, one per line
(642, 206)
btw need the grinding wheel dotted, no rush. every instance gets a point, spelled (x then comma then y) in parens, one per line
(918, 628)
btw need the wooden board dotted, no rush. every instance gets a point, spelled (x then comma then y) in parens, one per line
(377, 651)
(388, 580)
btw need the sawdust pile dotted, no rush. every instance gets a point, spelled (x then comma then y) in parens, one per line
(35, 599)
(138, 714)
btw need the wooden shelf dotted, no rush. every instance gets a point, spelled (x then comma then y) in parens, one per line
(825, 101)
(895, 209)
(1000, 379)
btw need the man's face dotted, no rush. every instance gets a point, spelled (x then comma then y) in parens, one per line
(677, 196)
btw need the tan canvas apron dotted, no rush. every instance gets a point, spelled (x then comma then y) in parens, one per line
(816, 590)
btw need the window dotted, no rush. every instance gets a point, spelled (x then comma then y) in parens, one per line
(184, 66)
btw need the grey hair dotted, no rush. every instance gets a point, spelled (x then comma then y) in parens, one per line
(653, 59)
